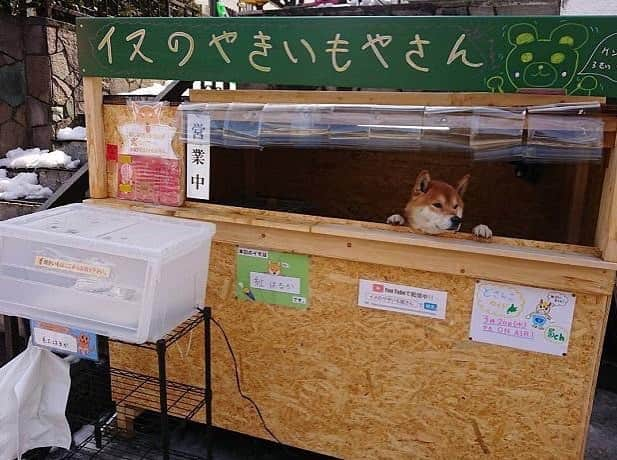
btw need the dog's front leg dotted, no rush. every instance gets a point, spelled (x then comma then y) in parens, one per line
(482, 231)
(395, 219)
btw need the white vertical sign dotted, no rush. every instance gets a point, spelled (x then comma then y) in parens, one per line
(198, 156)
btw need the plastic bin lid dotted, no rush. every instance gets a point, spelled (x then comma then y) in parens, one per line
(98, 223)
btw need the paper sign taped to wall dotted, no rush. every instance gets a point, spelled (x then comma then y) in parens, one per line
(402, 299)
(522, 317)
(272, 277)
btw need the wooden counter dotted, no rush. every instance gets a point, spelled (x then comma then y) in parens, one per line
(362, 383)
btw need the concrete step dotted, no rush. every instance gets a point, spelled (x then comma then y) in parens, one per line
(48, 177)
(75, 149)
(16, 208)
(54, 178)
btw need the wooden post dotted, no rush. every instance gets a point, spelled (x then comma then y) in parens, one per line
(606, 228)
(93, 100)
(578, 201)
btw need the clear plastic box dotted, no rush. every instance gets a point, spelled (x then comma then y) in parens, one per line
(126, 275)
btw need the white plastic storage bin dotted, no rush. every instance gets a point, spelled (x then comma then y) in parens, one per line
(123, 274)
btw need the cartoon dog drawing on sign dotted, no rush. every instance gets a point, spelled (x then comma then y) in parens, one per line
(274, 268)
(541, 316)
(552, 62)
(83, 346)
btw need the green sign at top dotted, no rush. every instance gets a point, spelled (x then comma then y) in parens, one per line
(575, 55)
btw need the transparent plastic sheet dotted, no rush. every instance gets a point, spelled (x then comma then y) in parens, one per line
(350, 125)
(448, 127)
(497, 133)
(560, 132)
(241, 125)
(564, 132)
(396, 127)
(218, 115)
(301, 125)
(496, 128)
(149, 169)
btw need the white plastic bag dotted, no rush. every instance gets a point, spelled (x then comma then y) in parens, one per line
(34, 389)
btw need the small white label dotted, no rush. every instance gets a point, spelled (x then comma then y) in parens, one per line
(97, 271)
(403, 299)
(276, 283)
(198, 156)
(298, 300)
(55, 340)
(522, 317)
(254, 253)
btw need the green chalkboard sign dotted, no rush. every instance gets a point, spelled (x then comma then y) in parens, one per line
(573, 55)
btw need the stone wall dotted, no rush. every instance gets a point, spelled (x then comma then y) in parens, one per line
(38, 75)
(66, 89)
(40, 82)
(13, 124)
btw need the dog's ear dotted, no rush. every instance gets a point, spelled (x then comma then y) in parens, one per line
(461, 186)
(422, 182)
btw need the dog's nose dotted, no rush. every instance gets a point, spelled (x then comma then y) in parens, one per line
(456, 220)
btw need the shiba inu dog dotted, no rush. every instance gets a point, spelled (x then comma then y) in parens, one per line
(436, 207)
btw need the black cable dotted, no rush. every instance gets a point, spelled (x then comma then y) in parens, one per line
(239, 386)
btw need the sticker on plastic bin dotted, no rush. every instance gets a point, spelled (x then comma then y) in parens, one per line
(522, 317)
(97, 271)
(272, 277)
(64, 339)
(402, 299)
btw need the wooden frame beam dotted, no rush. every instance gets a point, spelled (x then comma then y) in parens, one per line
(385, 97)
(606, 228)
(496, 262)
(93, 107)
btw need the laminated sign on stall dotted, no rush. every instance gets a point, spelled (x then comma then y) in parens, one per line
(522, 317)
(272, 277)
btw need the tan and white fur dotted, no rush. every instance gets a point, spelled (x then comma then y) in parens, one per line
(436, 207)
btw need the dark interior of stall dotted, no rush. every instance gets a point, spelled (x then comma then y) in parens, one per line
(547, 202)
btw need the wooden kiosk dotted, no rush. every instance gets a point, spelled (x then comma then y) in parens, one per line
(355, 382)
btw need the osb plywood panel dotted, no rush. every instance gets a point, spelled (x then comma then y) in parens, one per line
(364, 384)
(116, 115)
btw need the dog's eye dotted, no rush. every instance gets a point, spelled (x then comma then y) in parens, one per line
(437, 205)
(455, 206)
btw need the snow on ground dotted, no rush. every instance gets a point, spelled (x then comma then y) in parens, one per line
(37, 158)
(72, 134)
(24, 185)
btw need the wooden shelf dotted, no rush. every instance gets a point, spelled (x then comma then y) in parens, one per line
(559, 266)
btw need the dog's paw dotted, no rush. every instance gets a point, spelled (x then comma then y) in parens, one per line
(482, 231)
(396, 219)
